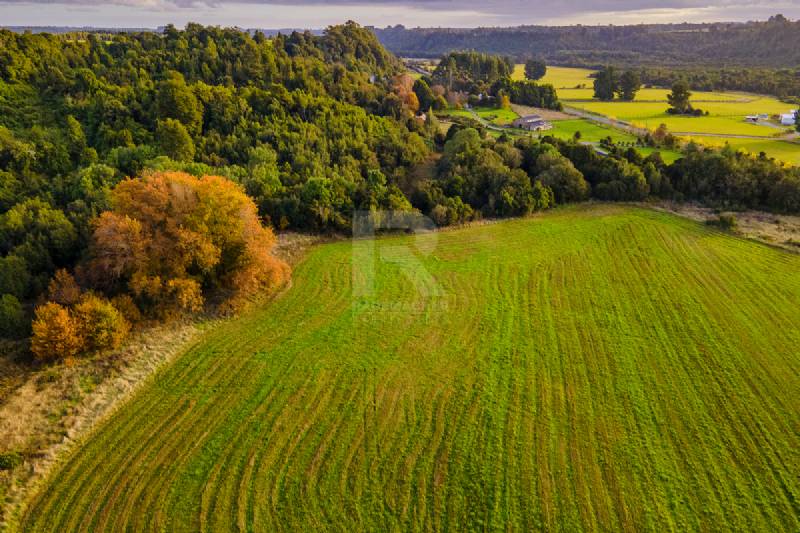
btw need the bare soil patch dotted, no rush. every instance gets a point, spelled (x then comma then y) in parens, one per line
(547, 114)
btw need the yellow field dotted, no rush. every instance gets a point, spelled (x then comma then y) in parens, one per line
(726, 113)
(577, 84)
(788, 152)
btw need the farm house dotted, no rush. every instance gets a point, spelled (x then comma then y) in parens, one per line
(532, 123)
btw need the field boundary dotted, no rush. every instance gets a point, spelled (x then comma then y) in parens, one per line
(139, 361)
(96, 407)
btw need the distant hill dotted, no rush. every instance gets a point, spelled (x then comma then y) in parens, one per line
(56, 30)
(773, 43)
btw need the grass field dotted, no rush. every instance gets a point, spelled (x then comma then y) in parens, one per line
(595, 368)
(726, 112)
(577, 84)
(725, 118)
(788, 152)
(590, 131)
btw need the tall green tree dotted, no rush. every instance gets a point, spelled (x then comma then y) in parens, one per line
(174, 141)
(535, 69)
(176, 100)
(606, 84)
(679, 97)
(629, 85)
(424, 94)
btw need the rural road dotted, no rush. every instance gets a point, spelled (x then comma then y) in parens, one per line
(491, 126)
(640, 132)
(626, 126)
(484, 122)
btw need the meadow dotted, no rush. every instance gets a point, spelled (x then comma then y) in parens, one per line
(726, 113)
(786, 151)
(593, 368)
(591, 132)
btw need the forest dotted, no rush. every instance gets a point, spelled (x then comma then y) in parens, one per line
(774, 43)
(118, 151)
(783, 83)
(488, 78)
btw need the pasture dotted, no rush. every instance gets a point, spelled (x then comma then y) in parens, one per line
(788, 152)
(726, 113)
(590, 131)
(725, 118)
(593, 368)
(498, 117)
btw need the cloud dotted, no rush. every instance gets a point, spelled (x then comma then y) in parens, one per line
(318, 13)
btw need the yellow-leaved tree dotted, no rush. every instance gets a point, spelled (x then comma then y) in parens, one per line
(56, 334)
(171, 240)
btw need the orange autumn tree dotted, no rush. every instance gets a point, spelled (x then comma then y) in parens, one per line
(171, 240)
(56, 333)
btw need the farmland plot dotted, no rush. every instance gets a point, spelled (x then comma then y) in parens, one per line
(595, 368)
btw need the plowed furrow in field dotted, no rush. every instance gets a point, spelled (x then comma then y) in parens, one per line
(596, 368)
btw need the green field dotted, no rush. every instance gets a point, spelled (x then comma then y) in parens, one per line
(577, 84)
(596, 368)
(725, 118)
(498, 117)
(726, 112)
(493, 115)
(788, 152)
(590, 131)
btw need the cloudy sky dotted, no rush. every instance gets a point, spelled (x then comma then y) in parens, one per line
(320, 13)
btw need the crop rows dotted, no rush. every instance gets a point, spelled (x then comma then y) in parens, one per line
(592, 369)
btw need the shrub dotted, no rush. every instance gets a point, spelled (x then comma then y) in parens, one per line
(55, 333)
(726, 222)
(172, 236)
(125, 305)
(12, 317)
(101, 325)
(10, 460)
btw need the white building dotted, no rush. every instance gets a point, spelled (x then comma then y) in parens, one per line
(532, 123)
(789, 119)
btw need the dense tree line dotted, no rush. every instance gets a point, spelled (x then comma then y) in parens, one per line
(110, 211)
(774, 43)
(782, 83)
(489, 77)
(480, 176)
(470, 71)
(310, 127)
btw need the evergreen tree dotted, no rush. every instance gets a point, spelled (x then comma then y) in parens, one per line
(679, 98)
(605, 85)
(629, 85)
(174, 141)
(535, 69)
